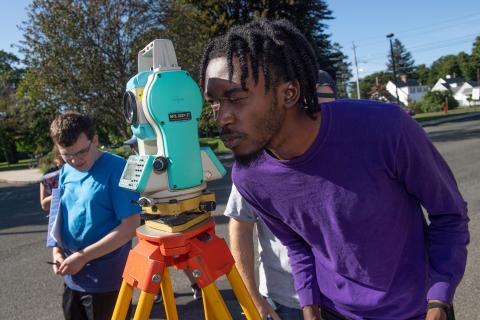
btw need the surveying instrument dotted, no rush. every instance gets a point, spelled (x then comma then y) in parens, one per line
(163, 105)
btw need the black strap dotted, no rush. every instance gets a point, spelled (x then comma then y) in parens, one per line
(447, 308)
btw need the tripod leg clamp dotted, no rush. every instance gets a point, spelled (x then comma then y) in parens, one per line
(145, 266)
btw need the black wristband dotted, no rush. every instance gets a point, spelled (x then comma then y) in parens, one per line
(445, 307)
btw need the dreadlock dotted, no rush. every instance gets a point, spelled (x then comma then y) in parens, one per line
(277, 47)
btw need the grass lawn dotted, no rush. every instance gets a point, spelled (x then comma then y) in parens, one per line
(22, 164)
(438, 115)
(216, 144)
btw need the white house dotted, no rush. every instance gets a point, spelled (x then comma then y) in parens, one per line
(448, 83)
(468, 94)
(408, 90)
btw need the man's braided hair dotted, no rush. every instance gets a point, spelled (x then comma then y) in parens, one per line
(278, 47)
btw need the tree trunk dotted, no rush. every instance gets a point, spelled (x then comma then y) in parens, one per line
(10, 153)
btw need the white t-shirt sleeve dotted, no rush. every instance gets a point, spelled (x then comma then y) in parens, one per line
(238, 208)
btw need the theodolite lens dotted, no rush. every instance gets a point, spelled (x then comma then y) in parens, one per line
(130, 108)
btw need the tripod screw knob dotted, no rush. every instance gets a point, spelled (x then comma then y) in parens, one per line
(160, 164)
(207, 206)
(156, 278)
(144, 202)
(196, 273)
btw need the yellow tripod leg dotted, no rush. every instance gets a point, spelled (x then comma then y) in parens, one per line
(168, 297)
(144, 307)
(213, 304)
(243, 297)
(123, 301)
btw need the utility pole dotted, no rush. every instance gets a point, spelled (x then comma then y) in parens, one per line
(390, 36)
(356, 68)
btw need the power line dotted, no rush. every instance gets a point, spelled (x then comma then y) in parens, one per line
(420, 27)
(432, 45)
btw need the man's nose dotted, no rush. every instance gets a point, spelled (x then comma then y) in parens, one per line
(223, 116)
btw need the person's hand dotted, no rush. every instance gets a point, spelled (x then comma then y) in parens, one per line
(311, 312)
(436, 313)
(73, 264)
(265, 309)
(57, 259)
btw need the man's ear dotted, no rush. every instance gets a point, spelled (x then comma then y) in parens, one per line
(95, 140)
(291, 93)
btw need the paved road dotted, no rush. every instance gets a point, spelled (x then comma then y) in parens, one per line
(30, 290)
(459, 143)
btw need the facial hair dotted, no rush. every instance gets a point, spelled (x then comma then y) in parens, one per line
(267, 127)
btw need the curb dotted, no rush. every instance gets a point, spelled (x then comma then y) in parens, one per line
(449, 119)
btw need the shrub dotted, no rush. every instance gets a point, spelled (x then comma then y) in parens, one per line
(435, 100)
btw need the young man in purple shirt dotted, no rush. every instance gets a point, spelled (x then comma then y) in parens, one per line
(341, 184)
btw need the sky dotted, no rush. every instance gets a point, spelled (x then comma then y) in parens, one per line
(429, 29)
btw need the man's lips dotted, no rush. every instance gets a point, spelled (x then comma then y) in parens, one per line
(231, 141)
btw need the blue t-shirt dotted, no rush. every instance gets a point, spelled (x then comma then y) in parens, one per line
(92, 206)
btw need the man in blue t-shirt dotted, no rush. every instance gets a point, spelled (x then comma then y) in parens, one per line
(341, 184)
(98, 220)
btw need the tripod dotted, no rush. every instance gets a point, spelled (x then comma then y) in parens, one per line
(197, 249)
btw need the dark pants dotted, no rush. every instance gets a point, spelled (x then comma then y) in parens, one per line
(287, 313)
(284, 312)
(89, 306)
(331, 315)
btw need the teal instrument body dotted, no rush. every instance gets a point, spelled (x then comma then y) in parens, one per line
(174, 102)
(137, 84)
(163, 105)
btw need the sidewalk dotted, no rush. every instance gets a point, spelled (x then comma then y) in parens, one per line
(21, 176)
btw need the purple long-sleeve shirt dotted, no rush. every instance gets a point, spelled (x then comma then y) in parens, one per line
(349, 212)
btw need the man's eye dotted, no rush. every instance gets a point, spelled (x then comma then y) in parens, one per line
(236, 99)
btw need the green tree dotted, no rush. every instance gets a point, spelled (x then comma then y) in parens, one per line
(35, 114)
(308, 16)
(475, 61)
(422, 74)
(446, 65)
(343, 71)
(10, 76)
(467, 71)
(404, 62)
(84, 52)
(371, 82)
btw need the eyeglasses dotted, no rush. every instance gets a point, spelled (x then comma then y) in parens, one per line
(79, 154)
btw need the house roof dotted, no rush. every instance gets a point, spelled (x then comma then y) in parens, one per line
(408, 83)
(445, 85)
(454, 80)
(473, 83)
